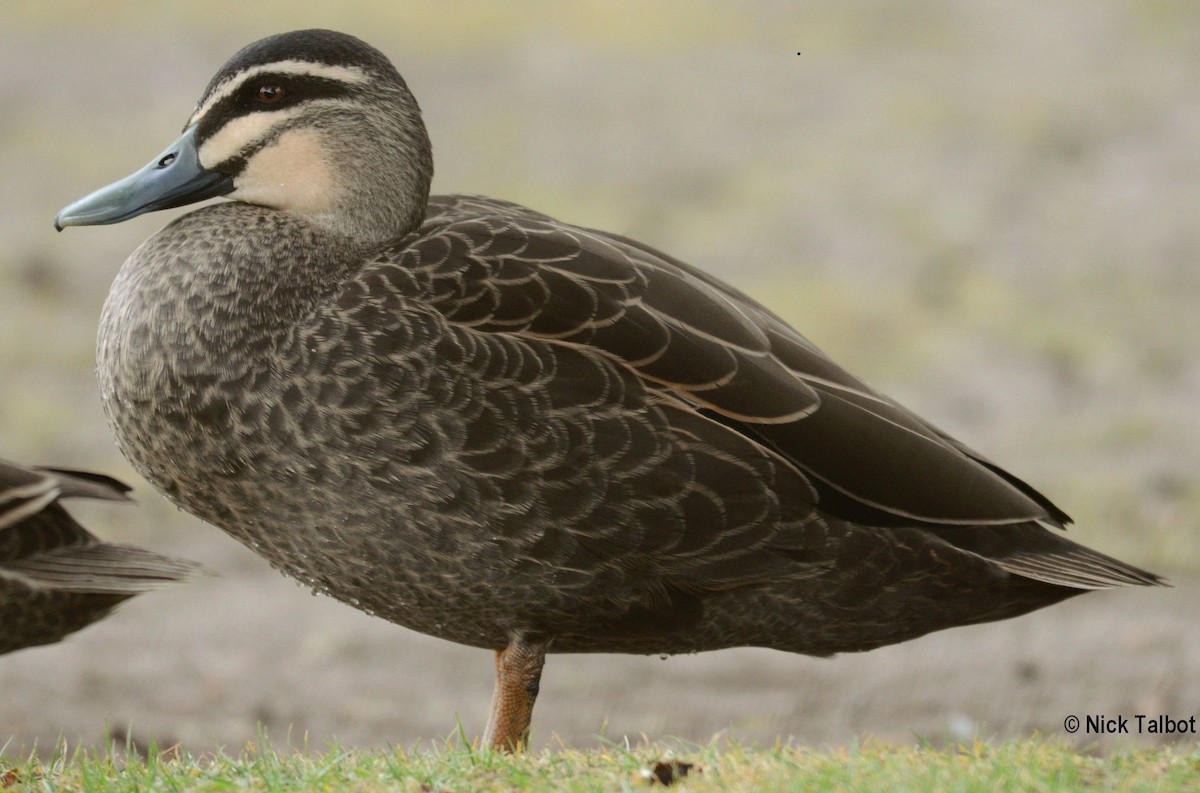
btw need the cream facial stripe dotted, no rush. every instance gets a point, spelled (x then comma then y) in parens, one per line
(346, 74)
(238, 133)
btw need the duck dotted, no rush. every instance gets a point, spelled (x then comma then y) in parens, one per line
(56, 577)
(480, 423)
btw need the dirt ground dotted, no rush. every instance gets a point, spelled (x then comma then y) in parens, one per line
(205, 664)
(986, 210)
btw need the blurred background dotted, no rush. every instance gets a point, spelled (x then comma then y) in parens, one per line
(987, 210)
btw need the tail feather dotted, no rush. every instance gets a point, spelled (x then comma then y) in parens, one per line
(100, 569)
(73, 483)
(1078, 567)
(1033, 551)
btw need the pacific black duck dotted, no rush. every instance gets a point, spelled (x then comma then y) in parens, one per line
(55, 576)
(473, 420)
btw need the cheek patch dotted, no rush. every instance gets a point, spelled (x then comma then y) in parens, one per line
(291, 174)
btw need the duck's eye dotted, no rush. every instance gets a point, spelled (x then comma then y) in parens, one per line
(269, 94)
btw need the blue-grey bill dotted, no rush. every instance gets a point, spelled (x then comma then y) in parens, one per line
(172, 179)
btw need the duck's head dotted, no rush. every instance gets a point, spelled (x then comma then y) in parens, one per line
(314, 123)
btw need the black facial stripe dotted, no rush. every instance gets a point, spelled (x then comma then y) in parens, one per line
(234, 165)
(297, 88)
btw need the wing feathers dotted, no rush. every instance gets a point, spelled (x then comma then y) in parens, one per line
(511, 270)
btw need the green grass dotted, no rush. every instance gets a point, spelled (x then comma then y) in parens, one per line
(1029, 765)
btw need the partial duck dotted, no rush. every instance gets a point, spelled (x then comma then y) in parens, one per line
(484, 424)
(55, 576)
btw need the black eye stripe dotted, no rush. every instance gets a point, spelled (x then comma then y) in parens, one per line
(297, 88)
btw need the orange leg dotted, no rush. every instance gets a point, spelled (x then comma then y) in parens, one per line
(518, 672)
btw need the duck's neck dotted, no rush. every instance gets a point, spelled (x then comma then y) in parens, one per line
(375, 184)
